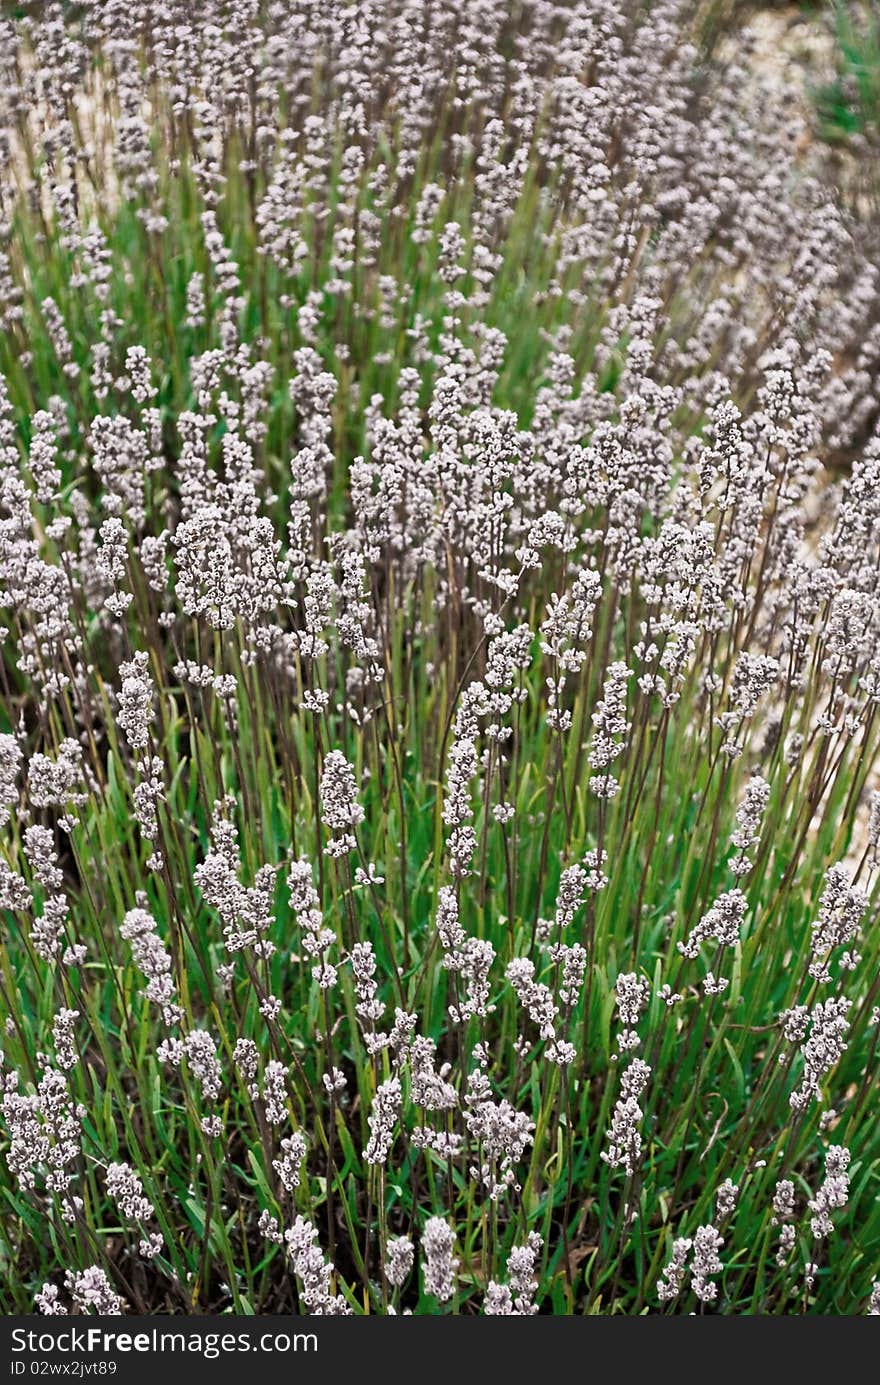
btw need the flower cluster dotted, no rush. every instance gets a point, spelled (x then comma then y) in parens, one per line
(439, 627)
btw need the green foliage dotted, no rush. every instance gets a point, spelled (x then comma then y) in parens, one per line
(851, 104)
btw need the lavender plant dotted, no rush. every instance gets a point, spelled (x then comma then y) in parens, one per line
(440, 681)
